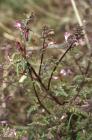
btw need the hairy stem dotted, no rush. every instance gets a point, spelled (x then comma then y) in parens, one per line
(42, 56)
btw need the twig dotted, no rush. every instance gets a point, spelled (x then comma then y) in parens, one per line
(42, 56)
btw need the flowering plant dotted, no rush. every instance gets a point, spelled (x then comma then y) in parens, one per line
(53, 84)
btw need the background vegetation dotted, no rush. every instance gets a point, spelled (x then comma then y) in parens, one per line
(26, 114)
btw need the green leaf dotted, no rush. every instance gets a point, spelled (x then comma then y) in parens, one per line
(60, 92)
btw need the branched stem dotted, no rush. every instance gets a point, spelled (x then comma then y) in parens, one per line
(50, 93)
(37, 96)
(58, 62)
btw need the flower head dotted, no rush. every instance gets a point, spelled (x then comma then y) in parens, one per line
(18, 25)
(63, 72)
(23, 28)
(75, 37)
(66, 72)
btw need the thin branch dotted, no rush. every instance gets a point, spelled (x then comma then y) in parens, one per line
(42, 56)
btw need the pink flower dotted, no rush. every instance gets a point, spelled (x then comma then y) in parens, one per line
(3, 122)
(66, 72)
(23, 29)
(63, 72)
(18, 25)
